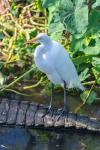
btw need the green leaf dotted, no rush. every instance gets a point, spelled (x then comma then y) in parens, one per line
(74, 20)
(92, 50)
(94, 23)
(1, 35)
(76, 44)
(56, 27)
(53, 28)
(96, 72)
(79, 3)
(61, 4)
(57, 17)
(96, 62)
(32, 33)
(81, 59)
(66, 5)
(91, 97)
(48, 3)
(56, 36)
(84, 75)
(96, 4)
(69, 22)
(81, 20)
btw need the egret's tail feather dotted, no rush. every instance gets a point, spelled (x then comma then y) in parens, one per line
(81, 87)
(76, 85)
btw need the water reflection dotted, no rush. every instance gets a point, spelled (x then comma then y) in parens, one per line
(13, 138)
(23, 139)
(64, 141)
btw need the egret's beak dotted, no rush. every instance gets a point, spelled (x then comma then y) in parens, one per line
(34, 40)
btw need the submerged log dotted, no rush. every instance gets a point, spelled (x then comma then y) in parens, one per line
(31, 115)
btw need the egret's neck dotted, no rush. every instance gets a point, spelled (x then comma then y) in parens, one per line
(47, 42)
(38, 52)
(42, 49)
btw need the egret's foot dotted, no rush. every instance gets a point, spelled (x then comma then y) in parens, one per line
(49, 111)
(63, 112)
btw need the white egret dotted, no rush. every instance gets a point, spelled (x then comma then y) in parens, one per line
(52, 59)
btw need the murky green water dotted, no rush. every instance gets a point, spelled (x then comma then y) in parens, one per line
(24, 139)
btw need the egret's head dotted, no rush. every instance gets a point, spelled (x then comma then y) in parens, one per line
(40, 38)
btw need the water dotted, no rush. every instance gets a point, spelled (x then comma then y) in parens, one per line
(64, 141)
(24, 139)
(21, 139)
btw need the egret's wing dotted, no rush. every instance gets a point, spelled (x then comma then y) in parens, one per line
(66, 69)
(42, 60)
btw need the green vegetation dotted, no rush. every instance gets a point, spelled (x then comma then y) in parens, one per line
(74, 23)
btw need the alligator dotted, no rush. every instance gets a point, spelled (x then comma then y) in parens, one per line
(32, 115)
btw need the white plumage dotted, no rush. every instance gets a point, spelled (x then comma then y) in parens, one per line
(52, 59)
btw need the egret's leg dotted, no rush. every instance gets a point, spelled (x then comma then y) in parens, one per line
(65, 107)
(52, 94)
(49, 110)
